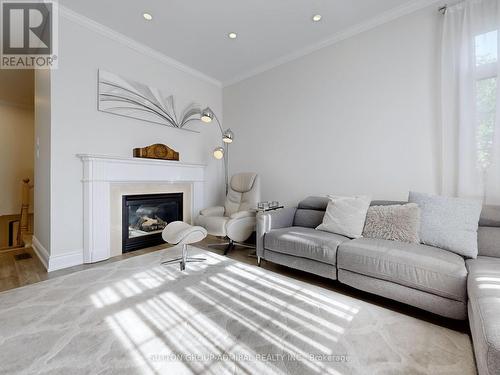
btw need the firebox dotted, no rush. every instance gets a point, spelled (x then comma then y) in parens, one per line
(145, 216)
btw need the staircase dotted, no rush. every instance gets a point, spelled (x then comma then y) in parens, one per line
(25, 232)
(18, 229)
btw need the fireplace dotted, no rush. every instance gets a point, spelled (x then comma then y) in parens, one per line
(145, 216)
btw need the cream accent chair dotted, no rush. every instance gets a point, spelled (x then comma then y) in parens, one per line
(236, 220)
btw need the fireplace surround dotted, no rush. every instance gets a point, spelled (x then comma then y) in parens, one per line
(102, 172)
(145, 216)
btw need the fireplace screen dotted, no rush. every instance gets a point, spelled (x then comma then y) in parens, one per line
(145, 217)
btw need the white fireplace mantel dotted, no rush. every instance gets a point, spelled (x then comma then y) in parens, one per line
(100, 171)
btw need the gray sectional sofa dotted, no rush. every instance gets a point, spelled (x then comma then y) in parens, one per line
(423, 276)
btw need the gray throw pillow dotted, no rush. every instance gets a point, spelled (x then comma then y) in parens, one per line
(394, 223)
(449, 223)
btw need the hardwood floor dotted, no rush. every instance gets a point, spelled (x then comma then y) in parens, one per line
(15, 273)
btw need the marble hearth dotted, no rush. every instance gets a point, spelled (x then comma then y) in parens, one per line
(107, 178)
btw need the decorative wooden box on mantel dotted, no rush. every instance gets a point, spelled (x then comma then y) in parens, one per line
(156, 151)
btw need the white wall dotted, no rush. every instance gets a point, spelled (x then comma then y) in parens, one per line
(360, 116)
(16, 154)
(77, 126)
(42, 193)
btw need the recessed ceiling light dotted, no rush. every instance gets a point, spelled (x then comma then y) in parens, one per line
(232, 35)
(147, 16)
(317, 17)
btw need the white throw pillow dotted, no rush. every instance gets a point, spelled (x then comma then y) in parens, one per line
(449, 223)
(346, 216)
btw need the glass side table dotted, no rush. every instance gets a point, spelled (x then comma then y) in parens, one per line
(267, 209)
(268, 206)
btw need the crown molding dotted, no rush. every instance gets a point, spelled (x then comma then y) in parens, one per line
(133, 44)
(359, 28)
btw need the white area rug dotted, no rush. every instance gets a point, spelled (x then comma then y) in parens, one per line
(221, 317)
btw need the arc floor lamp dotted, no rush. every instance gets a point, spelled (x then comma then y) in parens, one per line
(220, 152)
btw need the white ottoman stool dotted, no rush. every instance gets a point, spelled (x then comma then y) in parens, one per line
(181, 233)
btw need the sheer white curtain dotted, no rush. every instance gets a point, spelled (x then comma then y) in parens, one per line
(471, 100)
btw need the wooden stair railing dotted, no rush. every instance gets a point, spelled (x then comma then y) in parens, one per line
(24, 222)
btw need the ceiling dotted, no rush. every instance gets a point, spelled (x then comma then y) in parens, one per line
(194, 32)
(17, 86)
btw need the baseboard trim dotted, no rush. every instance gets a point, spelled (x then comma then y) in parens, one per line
(41, 252)
(56, 262)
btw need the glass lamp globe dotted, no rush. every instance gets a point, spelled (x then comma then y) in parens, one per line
(207, 115)
(219, 153)
(228, 136)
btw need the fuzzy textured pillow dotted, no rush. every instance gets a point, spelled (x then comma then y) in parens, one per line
(345, 216)
(394, 223)
(449, 223)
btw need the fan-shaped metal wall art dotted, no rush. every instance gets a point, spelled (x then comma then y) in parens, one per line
(132, 99)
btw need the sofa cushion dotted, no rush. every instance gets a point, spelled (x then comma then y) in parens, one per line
(314, 203)
(411, 296)
(483, 286)
(320, 203)
(488, 239)
(308, 218)
(490, 216)
(310, 211)
(305, 243)
(421, 267)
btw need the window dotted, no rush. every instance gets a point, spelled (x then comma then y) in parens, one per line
(486, 94)
(487, 48)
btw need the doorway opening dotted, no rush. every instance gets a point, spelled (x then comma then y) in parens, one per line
(17, 129)
(17, 160)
